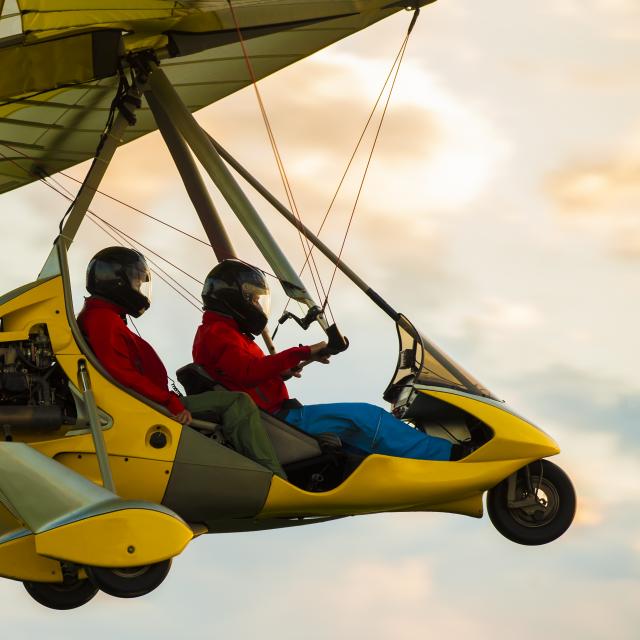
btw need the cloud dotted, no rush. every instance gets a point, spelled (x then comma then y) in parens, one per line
(435, 154)
(607, 189)
(318, 109)
(495, 314)
(342, 593)
(400, 592)
(585, 401)
(603, 7)
(143, 172)
(595, 421)
(603, 197)
(616, 20)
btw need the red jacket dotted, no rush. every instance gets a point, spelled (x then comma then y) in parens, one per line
(235, 360)
(126, 356)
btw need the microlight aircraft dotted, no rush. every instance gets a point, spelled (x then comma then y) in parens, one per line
(99, 487)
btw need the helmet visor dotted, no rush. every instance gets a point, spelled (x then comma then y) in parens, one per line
(258, 296)
(139, 278)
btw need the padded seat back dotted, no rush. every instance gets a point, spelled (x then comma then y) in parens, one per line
(290, 444)
(195, 379)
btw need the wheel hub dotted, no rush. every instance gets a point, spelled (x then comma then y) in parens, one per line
(538, 508)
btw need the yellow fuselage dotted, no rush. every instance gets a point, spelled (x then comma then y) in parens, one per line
(142, 472)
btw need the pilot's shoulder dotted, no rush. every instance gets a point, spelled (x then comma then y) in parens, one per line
(100, 319)
(221, 329)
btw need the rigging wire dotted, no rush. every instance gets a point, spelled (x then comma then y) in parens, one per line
(146, 248)
(124, 239)
(131, 241)
(306, 245)
(123, 87)
(174, 387)
(41, 179)
(360, 139)
(113, 198)
(157, 270)
(397, 61)
(121, 202)
(65, 193)
(364, 176)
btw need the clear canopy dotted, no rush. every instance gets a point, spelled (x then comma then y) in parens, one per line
(422, 362)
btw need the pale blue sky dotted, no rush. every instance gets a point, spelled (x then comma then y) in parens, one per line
(501, 215)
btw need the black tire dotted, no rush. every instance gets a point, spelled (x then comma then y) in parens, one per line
(539, 524)
(130, 582)
(61, 596)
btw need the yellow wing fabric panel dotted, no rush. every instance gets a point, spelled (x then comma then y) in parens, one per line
(42, 19)
(78, 521)
(46, 133)
(43, 15)
(31, 67)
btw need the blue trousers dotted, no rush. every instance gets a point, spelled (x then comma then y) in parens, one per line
(370, 429)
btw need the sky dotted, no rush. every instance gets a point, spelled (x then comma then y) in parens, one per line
(500, 213)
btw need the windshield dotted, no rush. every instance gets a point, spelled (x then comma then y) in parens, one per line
(426, 364)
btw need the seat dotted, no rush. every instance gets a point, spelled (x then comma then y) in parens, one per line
(290, 444)
(195, 379)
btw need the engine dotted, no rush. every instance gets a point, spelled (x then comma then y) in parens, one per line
(34, 394)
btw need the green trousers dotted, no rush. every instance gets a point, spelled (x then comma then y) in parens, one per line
(241, 424)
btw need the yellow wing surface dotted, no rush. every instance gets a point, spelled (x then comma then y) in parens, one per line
(60, 60)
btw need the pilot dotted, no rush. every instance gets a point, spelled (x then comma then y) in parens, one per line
(119, 282)
(235, 298)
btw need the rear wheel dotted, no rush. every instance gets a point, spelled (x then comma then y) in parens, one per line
(62, 595)
(130, 582)
(541, 507)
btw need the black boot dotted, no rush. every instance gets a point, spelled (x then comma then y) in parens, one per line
(462, 450)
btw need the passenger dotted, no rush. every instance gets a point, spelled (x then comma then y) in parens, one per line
(118, 280)
(235, 298)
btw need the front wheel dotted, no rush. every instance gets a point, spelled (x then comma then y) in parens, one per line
(535, 505)
(131, 582)
(61, 596)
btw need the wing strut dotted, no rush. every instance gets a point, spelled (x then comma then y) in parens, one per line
(111, 140)
(273, 201)
(200, 198)
(192, 180)
(206, 153)
(96, 431)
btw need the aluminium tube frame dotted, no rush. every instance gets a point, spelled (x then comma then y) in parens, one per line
(192, 180)
(330, 255)
(206, 153)
(76, 214)
(196, 189)
(397, 317)
(94, 424)
(54, 266)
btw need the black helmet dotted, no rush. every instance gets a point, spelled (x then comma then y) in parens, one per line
(122, 276)
(239, 290)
